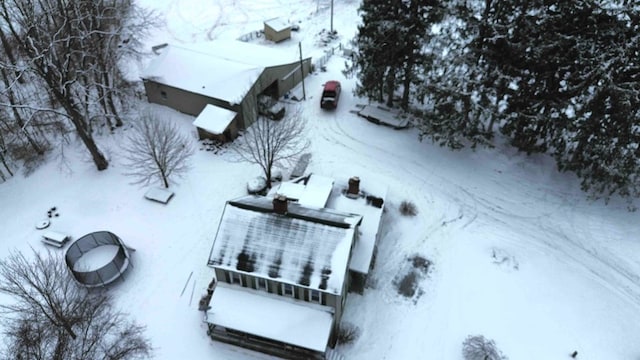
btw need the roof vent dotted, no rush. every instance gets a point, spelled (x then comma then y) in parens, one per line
(280, 204)
(354, 187)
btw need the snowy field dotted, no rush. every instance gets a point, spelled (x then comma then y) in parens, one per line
(517, 253)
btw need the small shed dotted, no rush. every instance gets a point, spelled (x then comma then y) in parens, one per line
(216, 123)
(277, 30)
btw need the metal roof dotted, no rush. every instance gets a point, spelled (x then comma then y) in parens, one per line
(305, 246)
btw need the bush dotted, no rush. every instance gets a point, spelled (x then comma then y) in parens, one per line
(348, 333)
(477, 347)
(408, 285)
(408, 208)
(257, 186)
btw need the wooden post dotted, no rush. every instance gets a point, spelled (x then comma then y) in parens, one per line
(331, 17)
(304, 93)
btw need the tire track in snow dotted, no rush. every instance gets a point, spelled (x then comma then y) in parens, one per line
(600, 264)
(604, 265)
(217, 22)
(562, 232)
(335, 131)
(549, 236)
(553, 237)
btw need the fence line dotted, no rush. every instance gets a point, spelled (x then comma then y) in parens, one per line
(328, 53)
(318, 64)
(251, 35)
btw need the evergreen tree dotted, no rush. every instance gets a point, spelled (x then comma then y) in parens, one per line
(390, 44)
(574, 88)
(416, 20)
(554, 76)
(457, 89)
(605, 133)
(375, 36)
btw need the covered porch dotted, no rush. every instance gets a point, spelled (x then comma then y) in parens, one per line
(269, 323)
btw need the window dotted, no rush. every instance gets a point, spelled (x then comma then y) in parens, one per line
(261, 284)
(287, 290)
(163, 95)
(315, 296)
(236, 278)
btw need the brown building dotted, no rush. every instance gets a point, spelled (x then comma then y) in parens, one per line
(226, 74)
(277, 30)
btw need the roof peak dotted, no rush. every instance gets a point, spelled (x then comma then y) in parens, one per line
(323, 216)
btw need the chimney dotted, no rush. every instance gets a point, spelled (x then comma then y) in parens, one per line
(354, 187)
(280, 204)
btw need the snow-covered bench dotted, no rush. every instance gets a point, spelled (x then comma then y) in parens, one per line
(160, 195)
(301, 166)
(54, 238)
(381, 115)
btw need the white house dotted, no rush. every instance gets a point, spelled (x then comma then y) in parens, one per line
(285, 264)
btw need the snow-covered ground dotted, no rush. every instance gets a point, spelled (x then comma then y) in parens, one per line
(517, 253)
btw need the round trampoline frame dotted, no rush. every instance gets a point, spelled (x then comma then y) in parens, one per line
(105, 274)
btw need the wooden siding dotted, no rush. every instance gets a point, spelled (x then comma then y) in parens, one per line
(288, 76)
(250, 105)
(270, 75)
(291, 79)
(193, 104)
(182, 100)
(276, 36)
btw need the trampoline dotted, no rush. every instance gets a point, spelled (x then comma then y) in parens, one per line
(97, 259)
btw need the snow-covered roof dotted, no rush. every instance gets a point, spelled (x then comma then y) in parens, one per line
(247, 53)
(273, 317)
(214, 119)
(277, 24)
(306, 246)
(322, 192)
(371, 217)
(202, 73)
(311, 191)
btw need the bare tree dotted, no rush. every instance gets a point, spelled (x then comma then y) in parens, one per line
(52, 317)
(156, 150)
(3, 157)
(477, 347)
(72, 51)
(270, 142)
(347, 333)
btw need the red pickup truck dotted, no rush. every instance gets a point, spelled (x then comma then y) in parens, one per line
(330, 95)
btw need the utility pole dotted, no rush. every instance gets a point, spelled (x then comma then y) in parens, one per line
(331, 17)
(304, 93)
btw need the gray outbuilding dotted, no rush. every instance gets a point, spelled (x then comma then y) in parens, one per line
(226, 74)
